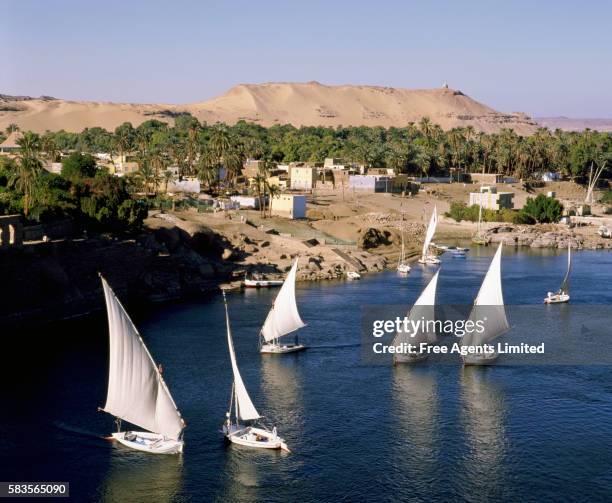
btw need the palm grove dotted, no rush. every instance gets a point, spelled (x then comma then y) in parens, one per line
(99, 199)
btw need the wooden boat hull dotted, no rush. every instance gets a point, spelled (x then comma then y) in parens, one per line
(152, 443)
(256, 438)
(277, 349)
(256, 283)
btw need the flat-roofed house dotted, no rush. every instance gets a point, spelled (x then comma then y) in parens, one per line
(302, 177)
(491, 199)
(289, 206)
(488, 178)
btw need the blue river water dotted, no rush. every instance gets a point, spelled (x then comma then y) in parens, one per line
(358, 432)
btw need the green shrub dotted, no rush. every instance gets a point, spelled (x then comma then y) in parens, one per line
(543, 209)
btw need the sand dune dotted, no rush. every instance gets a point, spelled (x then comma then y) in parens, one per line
(308, 104)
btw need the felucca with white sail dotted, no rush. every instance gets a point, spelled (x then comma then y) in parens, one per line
(423, 309)
(137, 392)
(489, 312)
(563, 294)
(402, 266)
(427, 257)
(282, 319)
(243, 424)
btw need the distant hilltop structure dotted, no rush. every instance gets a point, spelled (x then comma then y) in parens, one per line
(299, 104)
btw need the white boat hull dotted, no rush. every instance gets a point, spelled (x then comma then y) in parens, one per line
(403, 268)
(411, 358)
(557, 298)
(430, 260)
(353, 275)
(152, 443)
(484, 359)
(257, 283)
(276, 349)
(257, 438)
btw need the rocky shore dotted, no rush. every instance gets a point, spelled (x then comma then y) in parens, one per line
(170, 260)
(546, 236)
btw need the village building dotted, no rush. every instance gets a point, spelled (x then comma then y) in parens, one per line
(289, 206)
(487, 178)
(371, 183)
(302, 177)
(10, 145)
(490, 199)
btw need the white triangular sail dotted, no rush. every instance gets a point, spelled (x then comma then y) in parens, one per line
(488, 309)
(423, 309)
(431, 230)
(245, 409)
(565, 285)
(284, 317)
(137, 392)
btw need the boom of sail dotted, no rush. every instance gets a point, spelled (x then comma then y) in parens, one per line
(245, 409)
(137, 392)
(423, 309)
(431, 230)
(488, 310)
(284, 317)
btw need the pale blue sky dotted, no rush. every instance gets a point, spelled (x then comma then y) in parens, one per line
(541, 57)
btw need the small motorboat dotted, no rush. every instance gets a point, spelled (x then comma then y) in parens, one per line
(353, 275)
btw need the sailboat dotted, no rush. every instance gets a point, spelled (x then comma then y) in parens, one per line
(402, 266)
(489, 312)
(282, 319)
(137, 392)
(426, 256)
(423, 309)
(563, 294)
(479, 238)
(243, 409)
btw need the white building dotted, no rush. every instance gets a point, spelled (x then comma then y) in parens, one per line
(289, 206)
(491, 199)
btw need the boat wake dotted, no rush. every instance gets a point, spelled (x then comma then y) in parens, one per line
(76, 431)
(333, 346)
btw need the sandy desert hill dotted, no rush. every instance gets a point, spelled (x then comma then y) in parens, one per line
(308, 104)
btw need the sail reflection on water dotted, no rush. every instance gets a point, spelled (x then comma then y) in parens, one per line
(483, 418)
(133, 476)
(415, 406)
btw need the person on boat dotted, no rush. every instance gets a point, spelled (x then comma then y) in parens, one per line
(160, 368)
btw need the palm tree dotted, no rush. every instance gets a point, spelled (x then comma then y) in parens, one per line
(29, 167)
(168, 177)
(273, 191)
(11, 128)
(260, 191)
